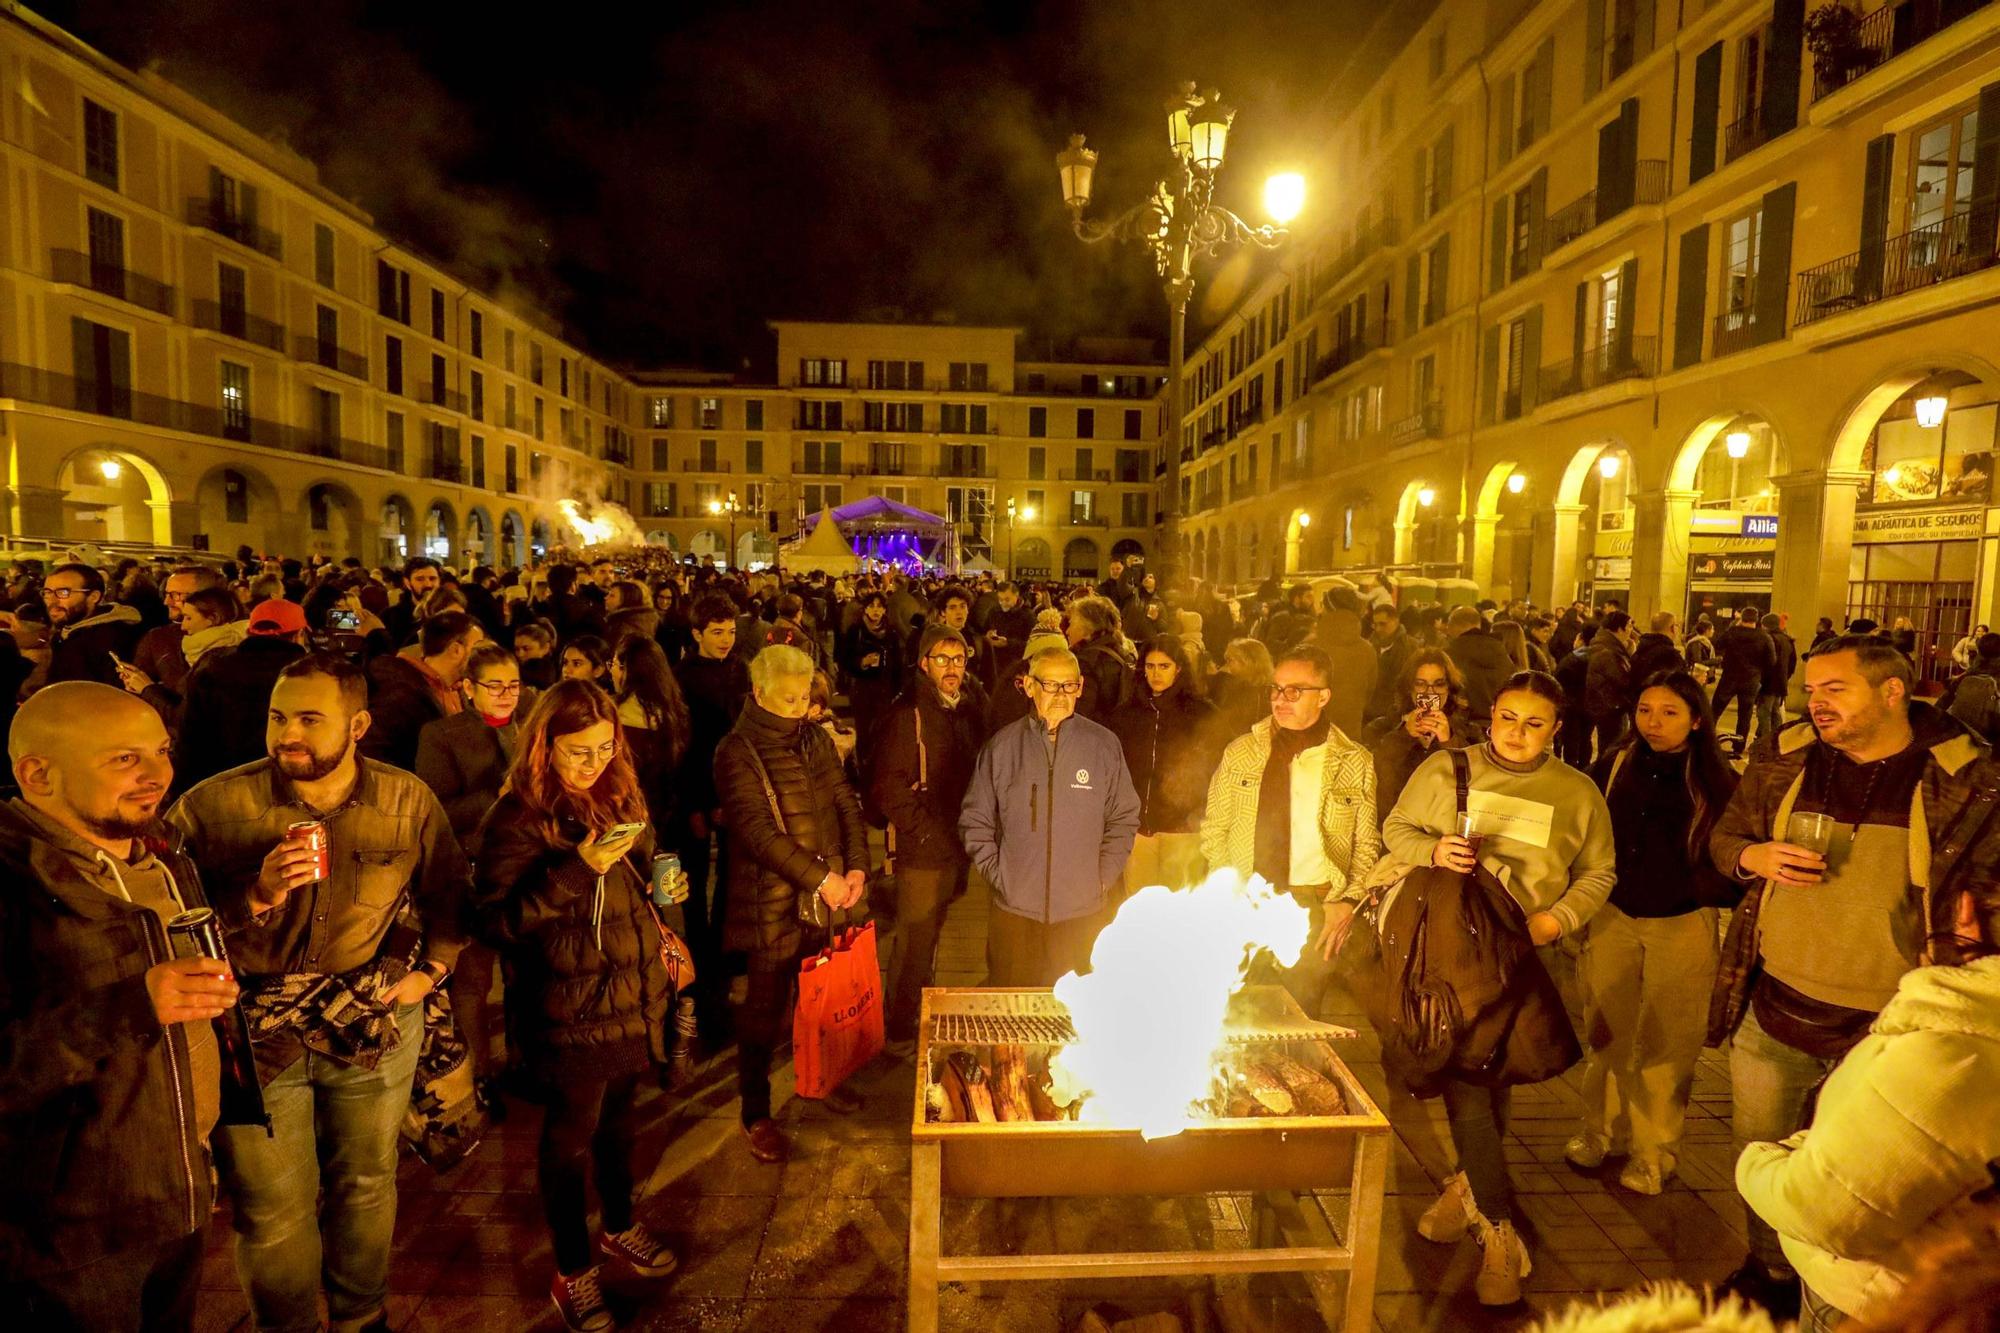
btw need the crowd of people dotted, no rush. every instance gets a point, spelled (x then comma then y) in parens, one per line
(588, 816)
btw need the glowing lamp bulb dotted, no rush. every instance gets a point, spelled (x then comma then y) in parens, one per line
(1894, 476)
(110, 467)
(1427, 497)
(1284, 196)
(1607, 466)
(1930, 410)
(715, 506)
(1305, 520)
(1516, 484)
(1737, 442)
(1028, 514)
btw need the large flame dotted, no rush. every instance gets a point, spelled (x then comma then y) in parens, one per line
(599, 523)
(1149, 1014)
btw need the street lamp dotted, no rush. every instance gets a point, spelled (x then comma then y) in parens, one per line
(1026, 513)
(1737, 443)
(1516, 482)
(1179, 222)
(1930, 410)
(731, 508)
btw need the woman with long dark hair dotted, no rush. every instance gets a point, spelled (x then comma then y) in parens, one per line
(560, 890)
(1541, 828)
(587, 657)
(654, 714)
(1650, 955)
(1431, 713)
(1171, 745)
(871, 661)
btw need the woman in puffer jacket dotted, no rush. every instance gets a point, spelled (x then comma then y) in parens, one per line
(1171, 743)
(1905, 1133)
(560, 890)
(795, 828)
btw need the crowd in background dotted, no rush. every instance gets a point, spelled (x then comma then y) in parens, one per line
(505, 761)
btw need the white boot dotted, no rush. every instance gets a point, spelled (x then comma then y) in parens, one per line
(1503, 1265)
(1447, 1220)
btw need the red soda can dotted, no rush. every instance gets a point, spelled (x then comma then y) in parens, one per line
(312, 832)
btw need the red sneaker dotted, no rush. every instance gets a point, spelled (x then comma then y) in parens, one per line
(639, 1250)
(580, 1302)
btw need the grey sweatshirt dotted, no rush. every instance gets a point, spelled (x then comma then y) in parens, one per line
(1547, 831)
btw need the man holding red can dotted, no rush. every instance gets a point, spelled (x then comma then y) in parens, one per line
(340, 885)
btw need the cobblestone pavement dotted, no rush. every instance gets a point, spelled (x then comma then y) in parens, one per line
(819, 1242)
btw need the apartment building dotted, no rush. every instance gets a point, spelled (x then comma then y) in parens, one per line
(1688, 305)
(1046, 467)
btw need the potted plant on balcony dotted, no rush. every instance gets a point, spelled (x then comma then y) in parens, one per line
(1833, 35)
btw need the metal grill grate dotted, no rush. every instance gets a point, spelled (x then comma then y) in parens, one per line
(1055, 1029)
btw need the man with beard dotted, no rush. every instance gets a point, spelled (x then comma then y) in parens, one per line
(110, 1074)
(88, 637)
(1843, 835)
(159, 652)
(334, 972)
(421, 578)
(927, 746)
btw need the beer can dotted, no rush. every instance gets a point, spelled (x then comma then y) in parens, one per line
(313, 833)
(667, 879)
(197, 933)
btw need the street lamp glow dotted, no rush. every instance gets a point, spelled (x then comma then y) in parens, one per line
(1516, 483)
(1208, 128)
(1284, 196)
(1028, 514)
(1427, 497)
(715, 506)
(110, 467)
(1076, 164)
(1930, 410)
(1737, 442)
(1305, 520)
(1607, 466)
(1180, 112)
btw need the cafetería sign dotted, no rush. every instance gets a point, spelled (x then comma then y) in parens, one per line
(1926, 525)
(1753, 567)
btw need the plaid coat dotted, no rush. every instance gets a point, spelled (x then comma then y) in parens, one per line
(1953, 836)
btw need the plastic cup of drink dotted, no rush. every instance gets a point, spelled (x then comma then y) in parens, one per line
(1810, 829)
(1466, 828)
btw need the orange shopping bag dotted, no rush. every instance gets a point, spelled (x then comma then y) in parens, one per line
(837, 1027)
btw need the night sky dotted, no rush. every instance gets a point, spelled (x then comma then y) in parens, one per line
(663, 183)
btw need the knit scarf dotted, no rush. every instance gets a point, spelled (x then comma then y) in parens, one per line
(1273, 847)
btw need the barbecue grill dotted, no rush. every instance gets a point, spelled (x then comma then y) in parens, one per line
(1280, 1160)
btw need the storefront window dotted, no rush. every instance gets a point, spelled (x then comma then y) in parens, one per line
(1912, 465)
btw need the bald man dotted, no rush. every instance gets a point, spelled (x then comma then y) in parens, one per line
(110, 1078)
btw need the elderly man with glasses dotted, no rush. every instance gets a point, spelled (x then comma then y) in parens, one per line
(1049, 819)
(1293, 800)
(926, 744)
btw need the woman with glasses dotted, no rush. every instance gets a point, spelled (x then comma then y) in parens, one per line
(1431, 714)
(560, 889)
(464, 758)
(1169, 737)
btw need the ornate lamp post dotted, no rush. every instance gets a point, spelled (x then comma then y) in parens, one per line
(731, 508)
(1026, 515)
(1178, 222)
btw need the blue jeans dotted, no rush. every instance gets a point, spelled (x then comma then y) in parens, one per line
(1477, 1118)
(316, 1200)
(1770, 714)
(1769, 1085)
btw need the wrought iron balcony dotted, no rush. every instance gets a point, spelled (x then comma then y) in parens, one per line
(1745, 134)
(1733, 331)
(237, 322)
(1574, 219)
(1607, 363)
(1345, 354)
(202, 212)
(450, 399)
(1949, 248)
(82, 270)
(717, 465)
(330, 355)
(1885, 34)
(1084, 474)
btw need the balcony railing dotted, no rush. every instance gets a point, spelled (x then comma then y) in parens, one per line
(1084, 474)
(238, 323)
(800, 423)
(1621, 359)
(1424, 424)
(31, 384)
(1744, 134)
(330, 355)
(1734, 330)
(1079, 519)
(444, 469)
(1242, 490)
(1649, 186)
(964, 469)
(202, 212)
(717, 465)
(1949, 248)
(439, 396)
(1374, 339)
(81, 270)
(1885, 34)
(1378, 235)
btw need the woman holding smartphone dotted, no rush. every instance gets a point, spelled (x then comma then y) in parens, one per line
(1433, 714)
(1544, 832)
(561, 890)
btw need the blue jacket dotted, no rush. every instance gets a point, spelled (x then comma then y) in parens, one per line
(1050, 823)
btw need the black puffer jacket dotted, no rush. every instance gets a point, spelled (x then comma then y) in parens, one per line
(770, 864)
(918, 788)
(584, 949)
(1172, 744)
(1107, 660)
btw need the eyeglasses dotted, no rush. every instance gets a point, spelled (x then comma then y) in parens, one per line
(950, 660)
(604, 753)
(62, 594)
(503, 688)
(1291, 694)
(1059, 686)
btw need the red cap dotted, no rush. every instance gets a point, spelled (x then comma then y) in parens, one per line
(277, 616)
